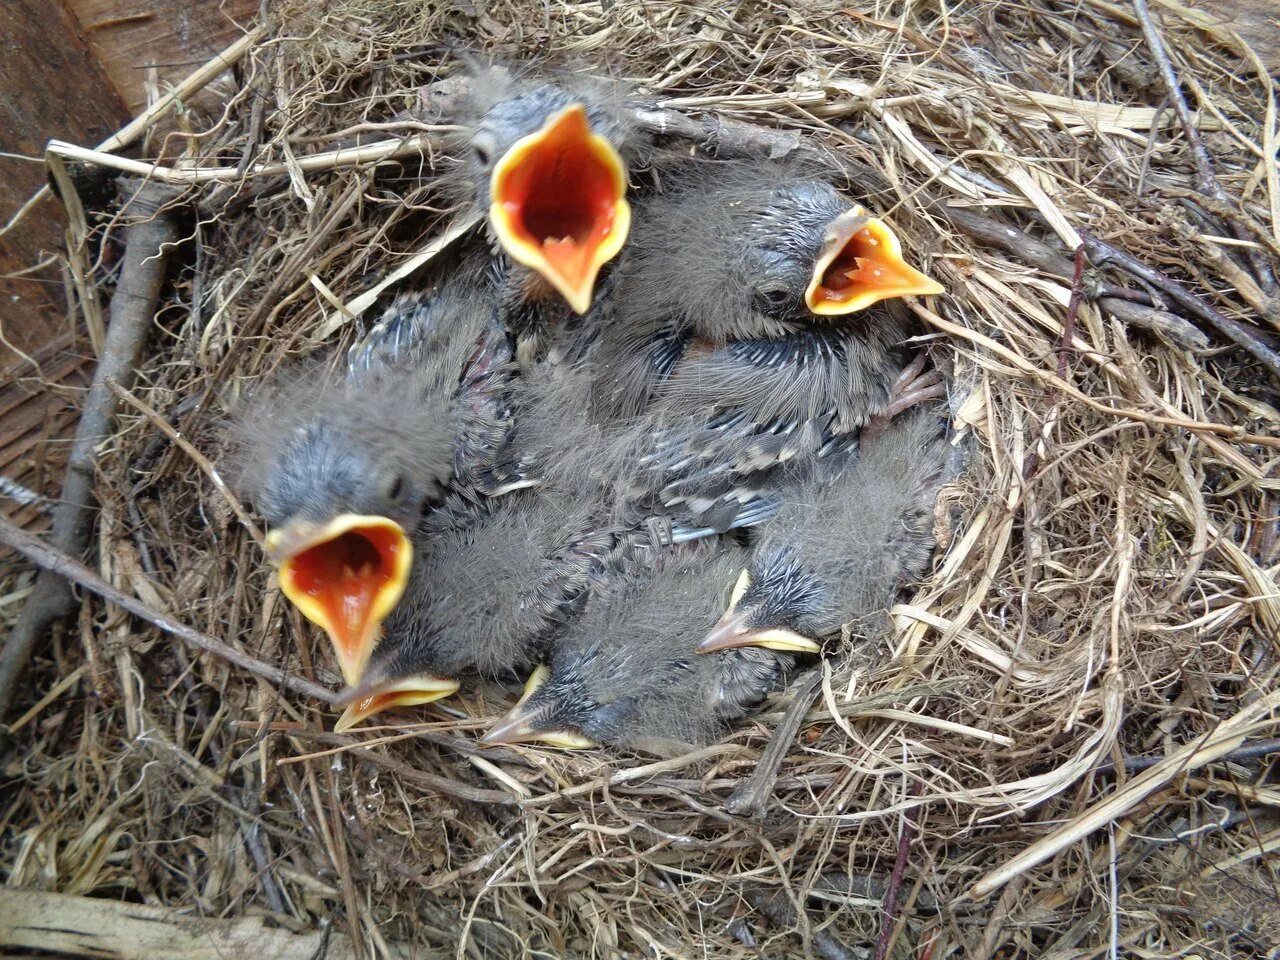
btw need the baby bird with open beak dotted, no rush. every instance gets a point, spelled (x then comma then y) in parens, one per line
(850, 535)
(341, 466)
(493, 582)
(547, 163)
(754, 311)
(626, 673)
(758, 287)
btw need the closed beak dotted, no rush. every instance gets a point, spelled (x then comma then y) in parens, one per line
(861, 264)
(559, 204)
(345, 576)
(530, 722)
(732, 632)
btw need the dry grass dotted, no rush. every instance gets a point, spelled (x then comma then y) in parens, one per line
(1107, 591)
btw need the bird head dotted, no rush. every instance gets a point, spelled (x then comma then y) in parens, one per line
(550, 169)
(771, 606)
(555, 710)
(811, 252)
(860, 264)
(340, 505)
(741, 250)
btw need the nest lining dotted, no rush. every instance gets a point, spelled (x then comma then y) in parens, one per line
(1105, 591)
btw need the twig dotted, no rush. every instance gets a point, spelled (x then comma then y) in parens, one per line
(1170, 326)
(1233, 330)
(1206, 181)
(782, 914)
(148, 243)
(751, 798)
(330, 160)
(1250, 751)
(895, 882)
(65, 568)
(1130, 306)
(1073, 309)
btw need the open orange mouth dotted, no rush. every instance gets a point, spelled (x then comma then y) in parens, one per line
(345, 576)
(407, 692)
(861, 264)
(559, 204)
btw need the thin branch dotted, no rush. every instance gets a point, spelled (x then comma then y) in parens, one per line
(895, 882)
(1073, 310)
(66, 568)
(1250, 751)
(751, 797)
(1235, 331)
(149, 241)
(1206, 180)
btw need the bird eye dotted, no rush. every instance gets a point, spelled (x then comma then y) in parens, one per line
(482, 146)
(774, 296)
(396, 490)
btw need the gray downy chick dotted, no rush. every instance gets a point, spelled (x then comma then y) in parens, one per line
(547, 162)
(626, 673)
(721, 330)
(341, 466)
(493, 582)
(754, 252)
(851, 534)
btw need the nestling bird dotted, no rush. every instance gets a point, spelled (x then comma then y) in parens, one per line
(626, 673)
(493, 582)
(342, 466)
(548, 164)
(751, 255)
(851, 533)
(751, 318)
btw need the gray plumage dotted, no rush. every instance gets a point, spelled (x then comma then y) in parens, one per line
(850, 535)
(639, 468)
(626, 672)
(500, 109)
(492, 583)
(384, 435)
(724, 253)
(709, 334)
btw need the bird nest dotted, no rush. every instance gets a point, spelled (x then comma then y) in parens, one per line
(1054, 751)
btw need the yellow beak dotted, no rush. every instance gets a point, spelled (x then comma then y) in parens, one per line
(345, 576)
(559, 204)
(406, 692)
(861, 264)
(524, 725)
(732, 632)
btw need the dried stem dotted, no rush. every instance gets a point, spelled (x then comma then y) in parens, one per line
(751, 798)
(65, 568)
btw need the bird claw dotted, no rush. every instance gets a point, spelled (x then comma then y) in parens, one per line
(913, 385)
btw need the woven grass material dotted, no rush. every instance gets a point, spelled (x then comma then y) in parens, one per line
(1106, 587)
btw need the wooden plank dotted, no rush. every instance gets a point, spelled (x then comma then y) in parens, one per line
(86, 927)
(50, 86)
(1257, 21)
(35, 422)
(173, 36)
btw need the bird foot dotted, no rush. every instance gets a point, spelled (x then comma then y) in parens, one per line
(913, 385)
